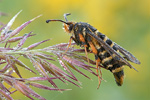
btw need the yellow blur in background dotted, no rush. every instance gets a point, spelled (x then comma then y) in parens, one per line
(126, 22)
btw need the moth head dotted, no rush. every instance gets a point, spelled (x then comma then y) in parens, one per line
(67, 26)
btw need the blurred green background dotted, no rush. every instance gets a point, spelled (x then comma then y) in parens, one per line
(126, 22)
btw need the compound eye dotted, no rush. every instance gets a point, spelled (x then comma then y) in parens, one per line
(70, 27)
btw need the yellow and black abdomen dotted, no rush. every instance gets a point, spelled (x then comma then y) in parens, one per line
(108, 60)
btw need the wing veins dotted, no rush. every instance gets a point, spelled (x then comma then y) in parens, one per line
(108, 48)
(127, 54)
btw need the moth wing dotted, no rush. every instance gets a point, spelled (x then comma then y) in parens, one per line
(110, 50)
(127, 54)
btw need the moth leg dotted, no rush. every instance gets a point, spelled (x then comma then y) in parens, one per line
(71, 38)
(85, 46)
(98, 68)
(94, 50)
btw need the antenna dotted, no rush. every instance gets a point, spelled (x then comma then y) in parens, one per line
(65, 16)
(47, 21)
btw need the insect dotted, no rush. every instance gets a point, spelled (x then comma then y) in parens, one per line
(107, 53)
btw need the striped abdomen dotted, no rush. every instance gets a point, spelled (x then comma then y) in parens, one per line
(82, 38)
(107, 60)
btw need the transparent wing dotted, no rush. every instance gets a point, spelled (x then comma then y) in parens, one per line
(110, 50)
(127, 54)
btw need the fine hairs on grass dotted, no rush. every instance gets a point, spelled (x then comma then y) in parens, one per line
(41, 59)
